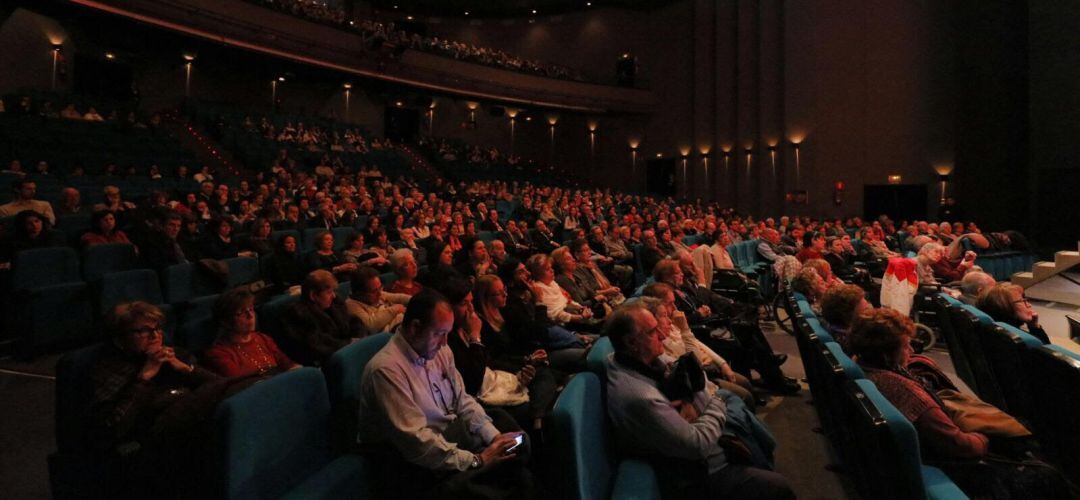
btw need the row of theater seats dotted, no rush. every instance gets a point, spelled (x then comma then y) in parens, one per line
(299, 453)
(1039, 384)
(56, 297)
(876, 444)
(585, 454)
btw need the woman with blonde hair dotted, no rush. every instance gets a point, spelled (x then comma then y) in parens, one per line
(1005, 302)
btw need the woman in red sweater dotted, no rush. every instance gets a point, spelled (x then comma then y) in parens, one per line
(240, 350)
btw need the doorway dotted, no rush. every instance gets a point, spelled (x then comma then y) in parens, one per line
(898, 201)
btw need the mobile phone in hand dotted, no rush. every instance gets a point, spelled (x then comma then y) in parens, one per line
(520, 438)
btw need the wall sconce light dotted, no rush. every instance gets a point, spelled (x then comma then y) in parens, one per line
(56, 48)
(943, 170)
(895, 179)
(348, 89)
(189, 58)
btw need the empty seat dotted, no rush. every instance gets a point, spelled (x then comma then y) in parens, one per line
(942, 303)
(584, 455)
(183, 282)
(100, 260)
(50, 304)
(40, 267)
(965, 322)
(1054, 386)
(270, 315)
(242, 270)
(1004, 347)
(341, 236)
(885, 459)
(343, 372)
(126, 286)
(77, 469)
(274, 442)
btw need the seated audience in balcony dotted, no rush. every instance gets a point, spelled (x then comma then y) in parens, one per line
(1005, 302)
(377, 309)
(240, 349)
(25, 191)
(880, 341)
(70, 113)
(675, 427)
(973, 285)
(103, 230)
(437, 442)
(318, 324)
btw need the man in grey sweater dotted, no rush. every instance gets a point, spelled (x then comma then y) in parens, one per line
(647, 423)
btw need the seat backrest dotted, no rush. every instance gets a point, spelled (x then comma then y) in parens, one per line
(309, 238)
(965, 322)
(74, 395)
(341, 236)
(242, 270)
(1003, 345)
(183, 282)
(40, 267)
(596, 360)
(273, 435)
(126, 286)
(387, 279)
(196, 334)
(100, 260)
(581, 441)
(343, 372)
(885, 447)
(270, 314)
(1054, 384)
(942, 302)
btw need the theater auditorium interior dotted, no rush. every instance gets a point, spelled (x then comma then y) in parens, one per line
(568, 249)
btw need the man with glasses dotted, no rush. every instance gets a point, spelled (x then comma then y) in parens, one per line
(380, 311)
(434, 439)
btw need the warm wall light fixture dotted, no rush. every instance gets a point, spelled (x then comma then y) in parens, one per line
(189, 59)
(943, 170)
(56, 48)
(895, 179)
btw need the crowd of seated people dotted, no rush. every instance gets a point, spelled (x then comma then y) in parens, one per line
(46, 108)
(516, 280)
(376, 33)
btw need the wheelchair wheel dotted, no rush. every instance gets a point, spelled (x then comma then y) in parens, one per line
(924, 339)
(780, 315)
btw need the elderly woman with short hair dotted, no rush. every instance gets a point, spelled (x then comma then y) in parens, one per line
(149, 393)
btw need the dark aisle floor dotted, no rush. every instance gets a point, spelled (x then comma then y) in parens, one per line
(27, 427)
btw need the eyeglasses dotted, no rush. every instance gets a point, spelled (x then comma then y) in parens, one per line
(146, 331)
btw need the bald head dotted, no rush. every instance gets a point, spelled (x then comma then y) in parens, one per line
(975, 282)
